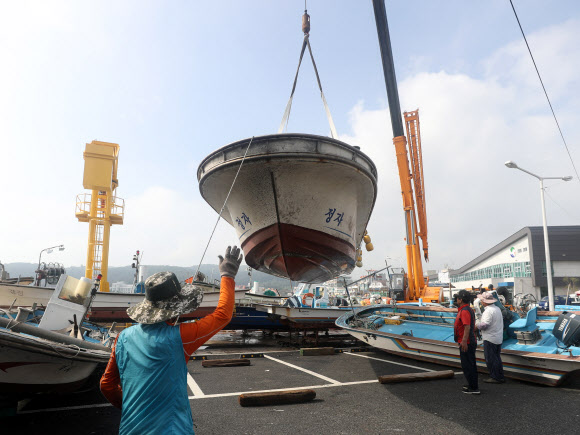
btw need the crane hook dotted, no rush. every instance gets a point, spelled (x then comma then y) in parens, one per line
(306, 22)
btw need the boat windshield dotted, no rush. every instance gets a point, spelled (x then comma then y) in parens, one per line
(74, 290)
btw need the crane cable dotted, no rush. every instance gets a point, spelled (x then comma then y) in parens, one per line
(224, 206)
(545, 92)
(306, 43)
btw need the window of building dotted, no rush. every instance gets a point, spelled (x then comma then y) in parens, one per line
(507, 272)
(544, 273)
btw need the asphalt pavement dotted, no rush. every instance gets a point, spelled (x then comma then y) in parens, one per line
(349, 400)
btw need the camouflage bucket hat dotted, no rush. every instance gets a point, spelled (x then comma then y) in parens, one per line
(165, 298)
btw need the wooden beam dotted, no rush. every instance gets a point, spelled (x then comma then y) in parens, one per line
(412, 377)
(225, 362)
(276, 398)
(317, 351)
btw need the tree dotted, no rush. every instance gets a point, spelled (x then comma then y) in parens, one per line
(571, 281)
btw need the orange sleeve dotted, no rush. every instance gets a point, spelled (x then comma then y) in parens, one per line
(111, 381)
(194, 334)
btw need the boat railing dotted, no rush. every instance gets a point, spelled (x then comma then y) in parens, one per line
(122, 289)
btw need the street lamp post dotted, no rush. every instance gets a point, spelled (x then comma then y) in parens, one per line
(38, 276)
(513, 165)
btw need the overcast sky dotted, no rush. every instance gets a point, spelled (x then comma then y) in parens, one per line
(171, 81)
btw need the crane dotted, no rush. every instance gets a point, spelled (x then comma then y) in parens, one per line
(411, 286)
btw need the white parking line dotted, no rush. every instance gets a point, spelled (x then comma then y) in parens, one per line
(311, 387)
(198, 394)
(396, 363)
(332, 381)
(195, 390)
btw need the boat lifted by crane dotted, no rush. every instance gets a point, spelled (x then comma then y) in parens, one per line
(300, 203)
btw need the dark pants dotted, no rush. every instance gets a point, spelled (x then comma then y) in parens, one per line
(492, 354)
(469, 365)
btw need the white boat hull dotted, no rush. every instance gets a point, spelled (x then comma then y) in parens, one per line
(33, 365)
(107, 306)
(300, 203)
(542, 368)
(305, 317)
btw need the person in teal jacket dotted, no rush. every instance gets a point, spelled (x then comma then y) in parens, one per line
(146, 376)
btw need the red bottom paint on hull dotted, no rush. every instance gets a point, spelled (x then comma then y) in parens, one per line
(298, 253)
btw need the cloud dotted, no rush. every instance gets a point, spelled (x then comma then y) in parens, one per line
(469, 128)
(170, 229)
(76, 70)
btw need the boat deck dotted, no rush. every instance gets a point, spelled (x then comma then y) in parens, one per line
(546, 344)
(441, 328)
(349, 399)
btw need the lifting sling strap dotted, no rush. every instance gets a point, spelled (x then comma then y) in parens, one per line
(305, 43)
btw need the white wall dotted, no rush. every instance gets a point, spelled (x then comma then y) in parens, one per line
(518, 252)
(566, 268)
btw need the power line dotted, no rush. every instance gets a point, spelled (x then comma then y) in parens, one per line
(561, 208)
(545, 92)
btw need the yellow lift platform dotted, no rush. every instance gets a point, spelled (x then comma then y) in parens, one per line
(100, 208)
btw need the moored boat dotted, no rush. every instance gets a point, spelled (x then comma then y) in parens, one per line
(309, 308)
(107, 306)
(247, 317)
(531, 353)
(265, 299)
(51, 350)
(300, 203)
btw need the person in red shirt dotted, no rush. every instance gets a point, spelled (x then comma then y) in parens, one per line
(146, 376)
(464, 332)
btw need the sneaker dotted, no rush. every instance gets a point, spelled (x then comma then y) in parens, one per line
(493, 381)
(470, 391)
(465, 388)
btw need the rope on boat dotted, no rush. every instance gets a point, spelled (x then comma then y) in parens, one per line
(224, 206)
(306, 43)
(10, 326)
(66, 356)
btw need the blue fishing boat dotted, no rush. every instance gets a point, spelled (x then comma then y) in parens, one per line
(541, 349)
(246, 317)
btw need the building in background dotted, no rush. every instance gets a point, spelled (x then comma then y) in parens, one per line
(519, 262)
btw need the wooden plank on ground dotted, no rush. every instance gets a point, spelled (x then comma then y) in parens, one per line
(317, 351)
(225, 362)
(276, 398)
(412, 377)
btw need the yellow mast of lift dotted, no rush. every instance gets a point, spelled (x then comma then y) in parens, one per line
(100, 208)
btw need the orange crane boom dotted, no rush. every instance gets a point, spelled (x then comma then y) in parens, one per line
(414, 207)
(414, 136)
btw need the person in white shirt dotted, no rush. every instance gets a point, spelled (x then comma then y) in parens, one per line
(491, 327)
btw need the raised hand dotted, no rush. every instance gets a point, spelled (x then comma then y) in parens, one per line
(231, 263)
